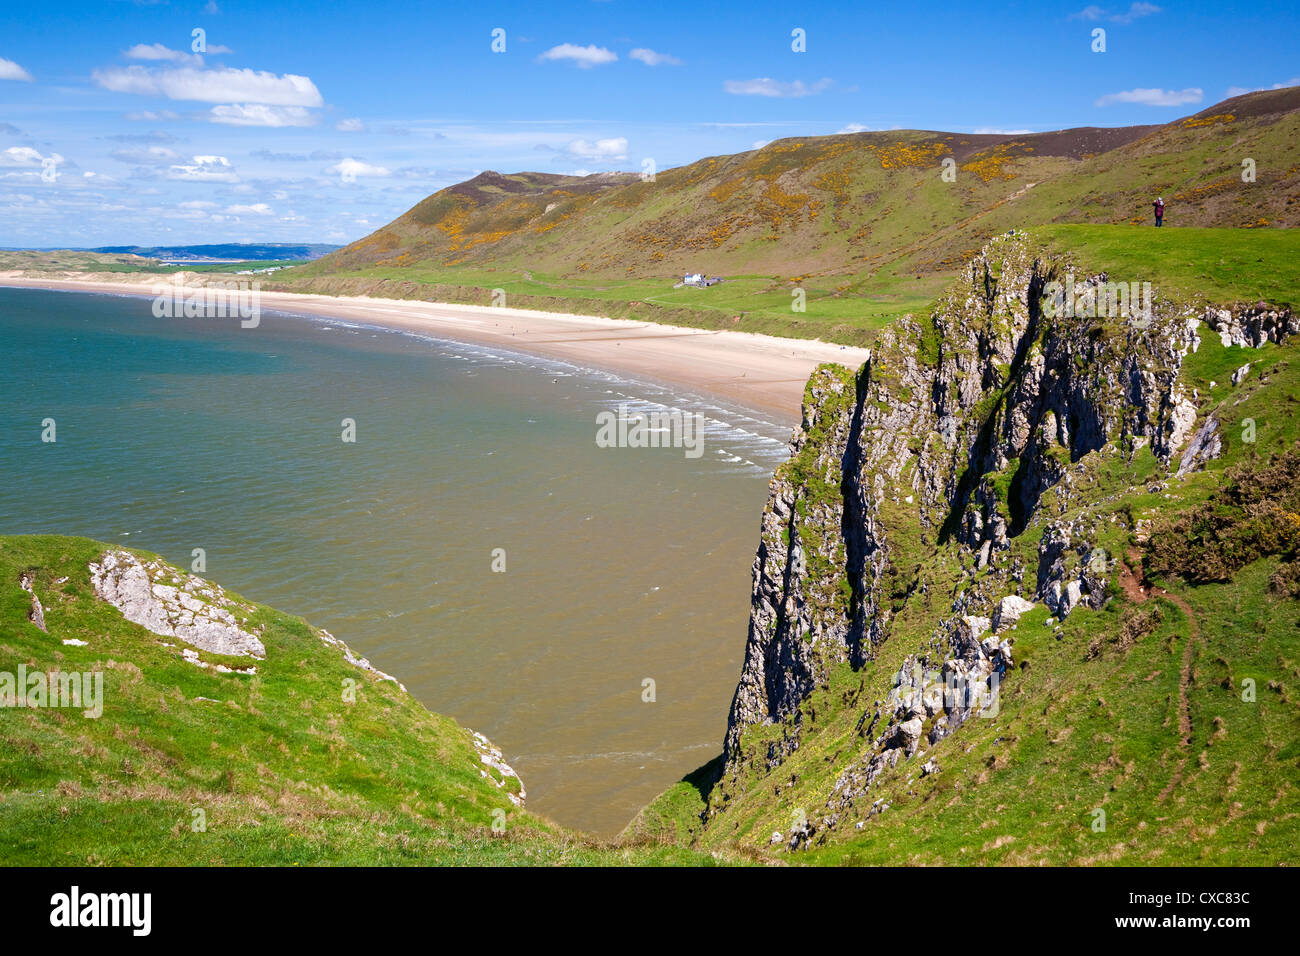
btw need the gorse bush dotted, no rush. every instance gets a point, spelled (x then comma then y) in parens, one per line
(1256, 515)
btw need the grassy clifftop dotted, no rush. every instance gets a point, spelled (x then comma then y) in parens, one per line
(189, 764)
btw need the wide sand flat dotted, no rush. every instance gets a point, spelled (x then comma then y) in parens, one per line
(761, 372)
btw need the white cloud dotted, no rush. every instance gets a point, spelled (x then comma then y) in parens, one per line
(352, 125)
(156, 51)
(583, 56)
(204, 169)
(256, 209)
(1241, 90)
(759, 143)
(153, 116)
(351, 168)
(1135, 12)
(651, 58)
(150, 156)
(1154, 97)
(26, 156)
(224, 85)
(258, 114)
(766, 86)
(602, 150)
(20, 156)
(995, 131)
(9, 70)
(198, 204)
(853, 128)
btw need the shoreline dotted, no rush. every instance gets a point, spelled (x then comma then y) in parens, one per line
(759, 372)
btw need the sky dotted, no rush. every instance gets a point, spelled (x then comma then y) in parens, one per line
(320, 122)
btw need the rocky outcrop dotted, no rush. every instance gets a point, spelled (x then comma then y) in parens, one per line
(497, 770)
(361, 662)
(37, 614)
(172, 603)
(805, 615)
(963, 429)
(1206, 445)
(1252, 327)
(1009, 610)
(169, 602)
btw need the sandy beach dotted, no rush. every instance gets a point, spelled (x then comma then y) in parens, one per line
(761, 372)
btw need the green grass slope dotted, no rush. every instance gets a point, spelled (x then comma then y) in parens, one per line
(283, 768)
(1197, 266)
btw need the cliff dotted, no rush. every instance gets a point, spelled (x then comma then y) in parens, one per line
(975, 497)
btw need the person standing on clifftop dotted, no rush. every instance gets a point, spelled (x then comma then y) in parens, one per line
(1159, 207)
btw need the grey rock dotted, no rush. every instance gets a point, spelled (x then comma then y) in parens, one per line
(1009, 610)
(972, 628)
(498, 771)
(1252, 327)
(37, 614)
(1206, 445)
(167, 602)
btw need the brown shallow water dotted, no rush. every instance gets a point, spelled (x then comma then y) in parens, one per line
(622, 564)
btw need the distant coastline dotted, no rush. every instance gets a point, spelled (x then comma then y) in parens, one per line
(761, 372)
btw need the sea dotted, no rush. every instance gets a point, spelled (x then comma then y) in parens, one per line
(583, 606)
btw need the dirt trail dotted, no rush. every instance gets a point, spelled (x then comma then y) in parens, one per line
(1138, 591)
(1184, 685)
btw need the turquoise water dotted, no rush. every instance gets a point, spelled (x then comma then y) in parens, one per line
(621, 564)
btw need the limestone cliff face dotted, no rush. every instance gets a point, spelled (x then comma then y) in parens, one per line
(804, 617)
(959, 430)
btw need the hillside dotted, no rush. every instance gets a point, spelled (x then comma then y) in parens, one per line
(863, 222)
(1026, 593)
(276, 747)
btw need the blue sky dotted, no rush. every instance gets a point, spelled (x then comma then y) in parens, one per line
(322, 121)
